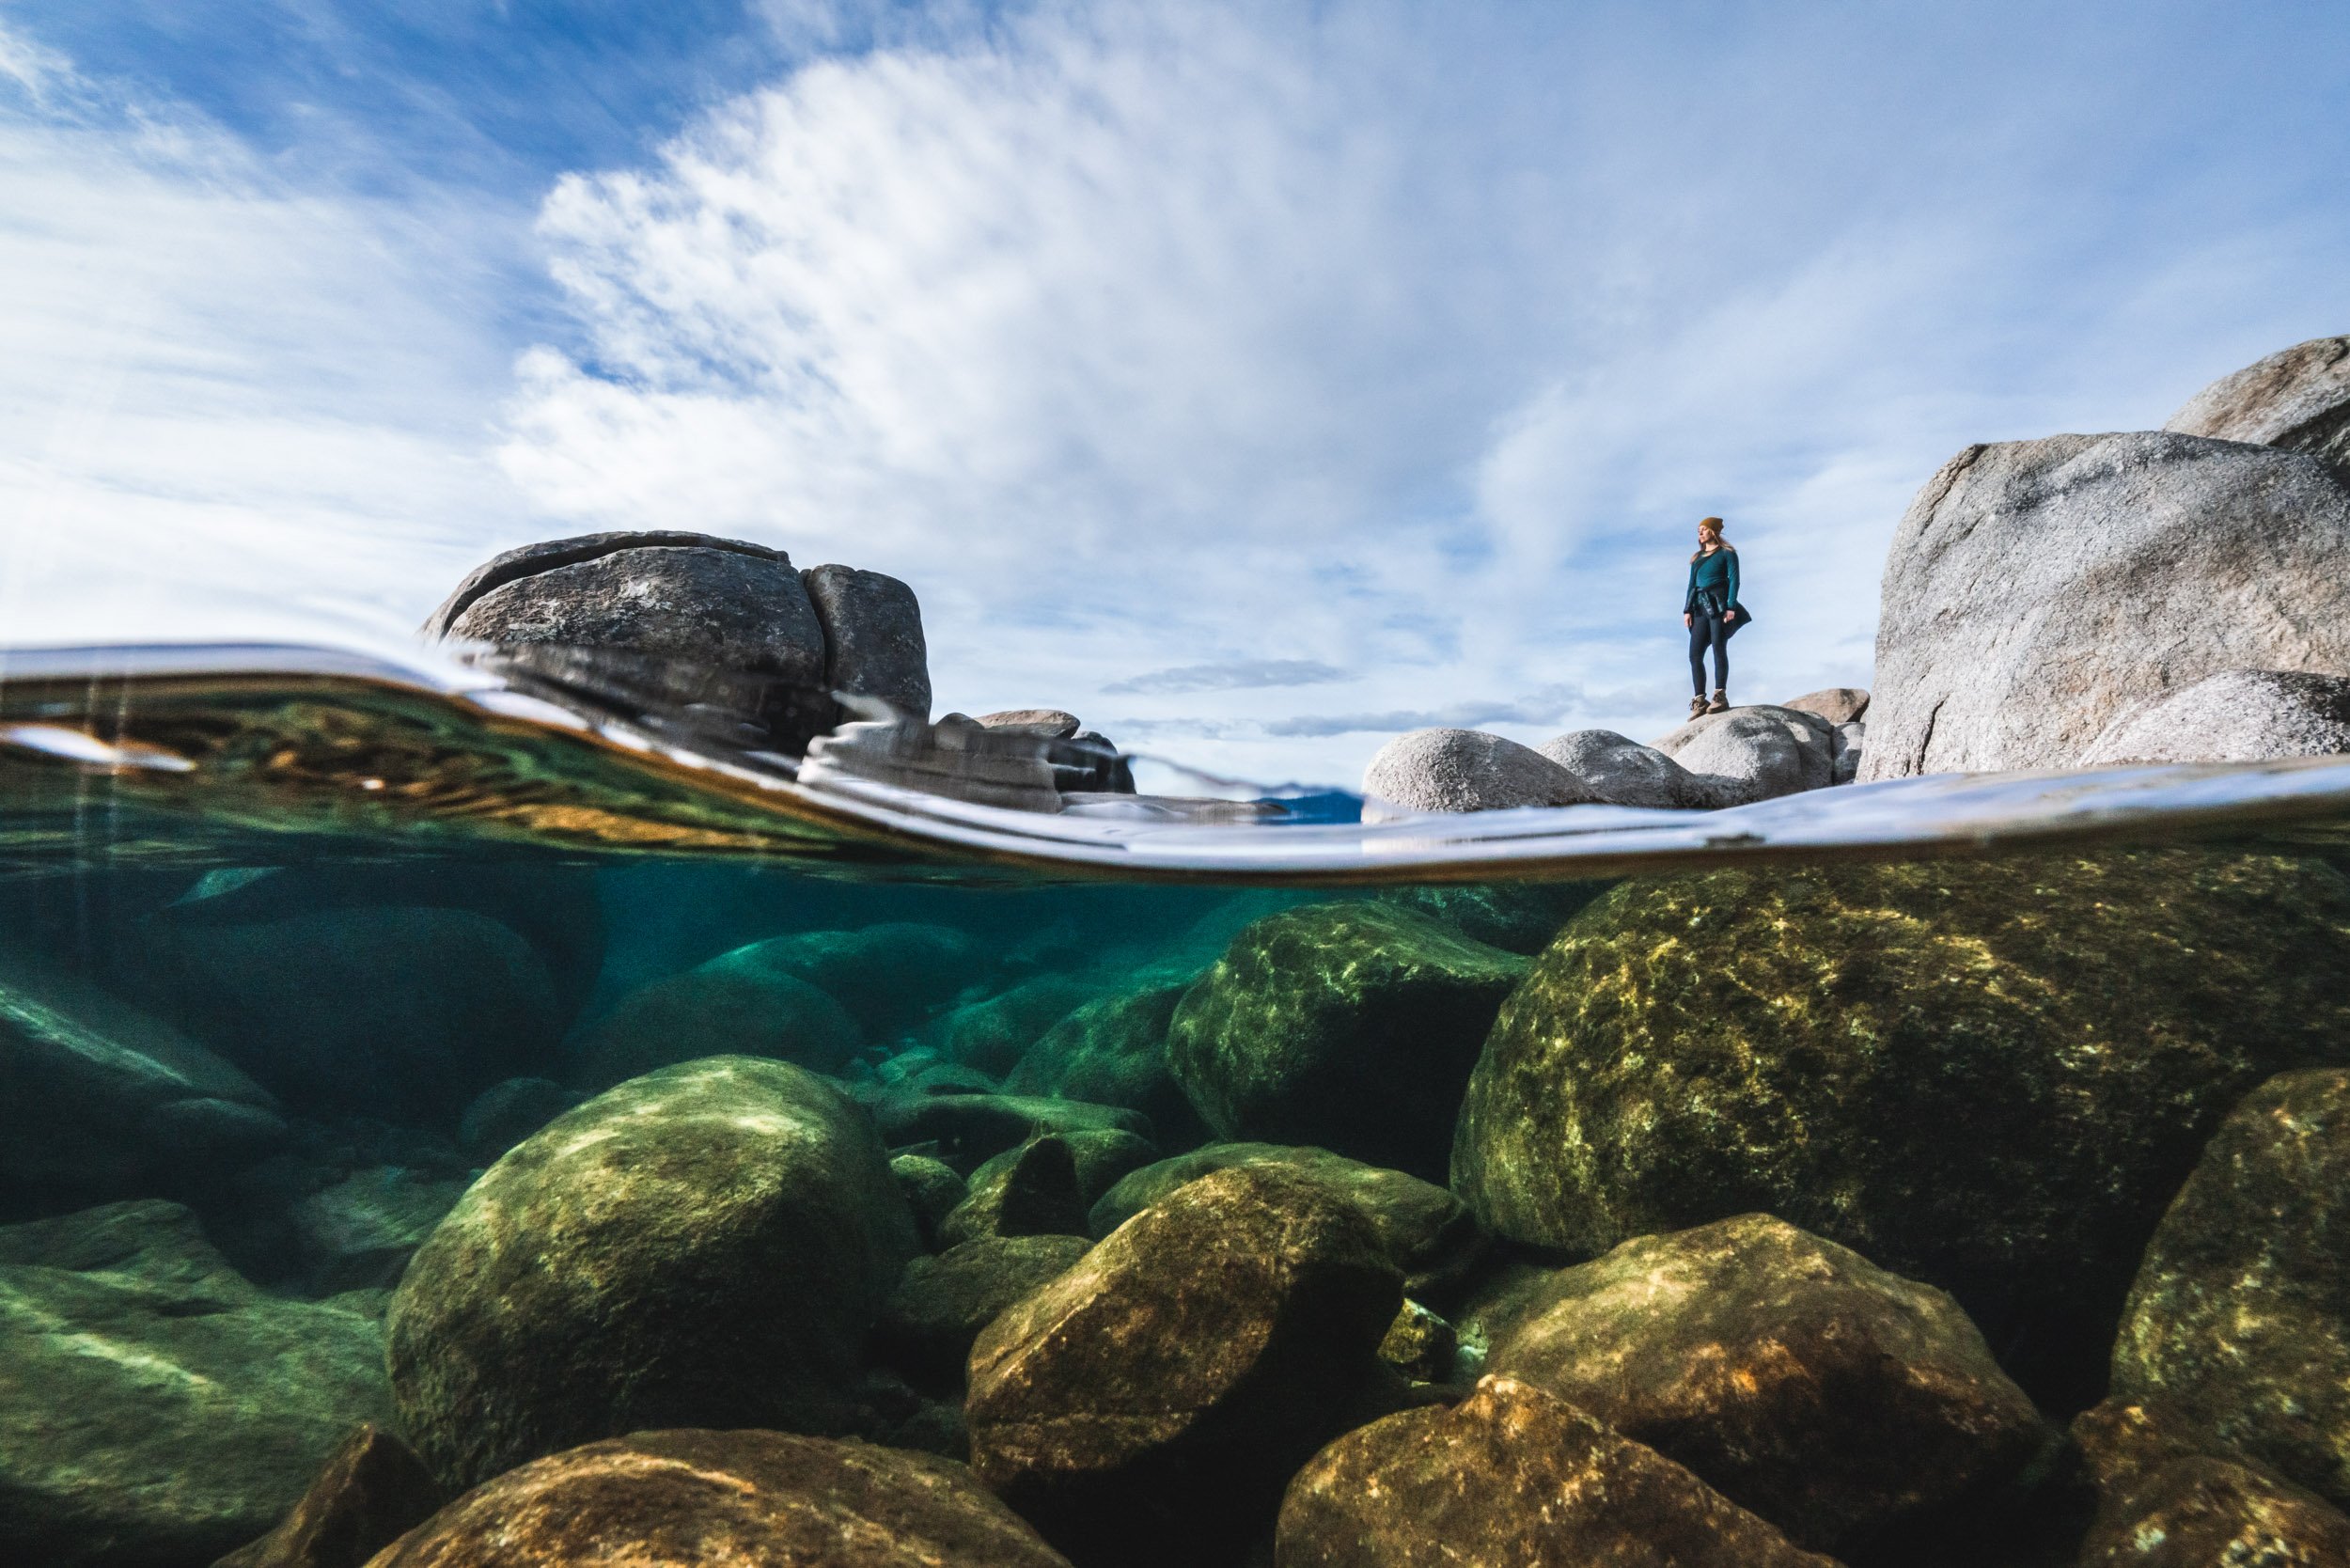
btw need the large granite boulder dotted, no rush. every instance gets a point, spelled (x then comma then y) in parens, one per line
(873, 644)
(734, 1005)
(1990, 1077)
(1836, 704)
(1350, 1025)
(1622, 771)
(99, 1098)
(2298, 399)
(705, 1243)
(1752, 753)
(2239, 1323)
(1836, 1401)
(2037, 589)
(403, 1013)
(941, 1302)
(725, 1500)
(1512, 1475)
(1112, 1051)
(155, 1407)
(2237, 715)
(993, 1034)
(1147, 1407)
(371, 1491)
(1467, 770)
(1427, 1232)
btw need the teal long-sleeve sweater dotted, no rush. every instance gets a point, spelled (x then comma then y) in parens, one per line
(1718, 572)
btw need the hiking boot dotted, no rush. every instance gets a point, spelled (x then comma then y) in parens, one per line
(1696, 706)
(1720, 703)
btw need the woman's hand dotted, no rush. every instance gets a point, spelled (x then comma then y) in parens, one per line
(1729, 616)
(1685, 621)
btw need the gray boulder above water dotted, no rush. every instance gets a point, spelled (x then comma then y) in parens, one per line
(2036, 591)
(874, 643)
(1467, 770)
(2235, 715)
(2298, 399)
(1753, 753)
(1622, 771)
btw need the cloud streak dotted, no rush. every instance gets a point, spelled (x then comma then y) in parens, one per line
(1238, 675)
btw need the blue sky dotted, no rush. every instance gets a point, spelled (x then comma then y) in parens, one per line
(1254, 380)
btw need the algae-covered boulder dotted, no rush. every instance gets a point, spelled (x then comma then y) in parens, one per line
(1427, 1232)
(1349, 1026)
(888, 976)
(155, 1407)
(970, 1129)
(705, 1243)
(1991, 1077)
(1112, 1051)
(942, 1302)
(2239, 1323)
(371, 1490)
(1835, 1400)
(1516, 917)
(734, 1005)
(2207, 1513)
(1512, 1475)
(1148, 1405)
(1034, 1193)
(725, 1500)
(992, 1035)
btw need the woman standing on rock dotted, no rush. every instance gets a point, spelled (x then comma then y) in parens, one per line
(1710, 611)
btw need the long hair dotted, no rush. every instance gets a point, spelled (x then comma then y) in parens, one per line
(1715, 523)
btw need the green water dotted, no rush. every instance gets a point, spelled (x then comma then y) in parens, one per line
(288, 968)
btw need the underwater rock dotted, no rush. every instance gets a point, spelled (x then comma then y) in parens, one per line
(725, 1500)
(504, 1114)
(1838, 705)
(941, 1302)
(1622, 771)
(2238, 1325)
(1112, 1051)
(1513, 1475)
(734, 1005)
(1103, 1156)
(1516, 917)
(2037, 589)
(993, 1034)
(2207, 1513)
(1752, 753)
(1348, 1026)
(1419, 1343)
(373, 1490)
(969, 1129)
(1805, 1384)
(888, 976)
(1989, 1076)
(933, 1188)
(874, 643)
(1034, 1193)
(155, 1407)
(97, 1098)
(1148, 1405)
(1427, 1232)
(360, 1232)
(2237, 715)
(631, 1264)
(2297, 399)
(1467, 770)
(326, 1008)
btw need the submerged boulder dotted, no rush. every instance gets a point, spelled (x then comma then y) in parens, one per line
(1467, 770)
(2238, 1325)
(1349, 1026)
(97, 1098)
(1112, 1051)
(2207, 1513)
(708, 1243)
(725, 1500)
(941, 1302)
(968, 1130)
(1516, 917)
(1833, 1399)
(888, 976)
(2298, 399)
(359, 1234)
(1032, 1192)
(1426, 1232)
(155, 1407)
(992, 1035)
(1148, 1405)
(1989, 1076)
(1516, 1476)
(2037, 589)
(734, 1005)
(373, 1490)
(2237, 715)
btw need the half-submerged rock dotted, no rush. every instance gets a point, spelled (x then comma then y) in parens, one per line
(1148, 1406)
(705, 1243)
(725, 1500)
(1833, 1399)
(1512, 1475)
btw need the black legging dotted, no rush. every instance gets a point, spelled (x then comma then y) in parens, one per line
(1708, 631)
